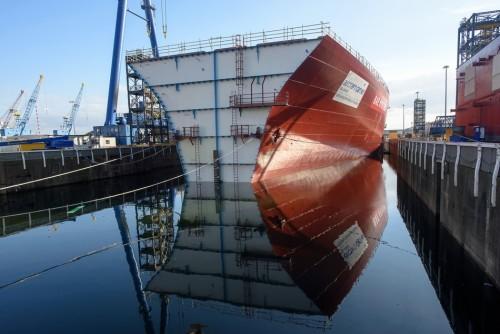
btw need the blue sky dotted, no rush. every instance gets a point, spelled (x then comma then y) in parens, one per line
(71, 42)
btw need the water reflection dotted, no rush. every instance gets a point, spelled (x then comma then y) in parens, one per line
(326, 224)
(467, 295)
(323, 228)
(281, 256)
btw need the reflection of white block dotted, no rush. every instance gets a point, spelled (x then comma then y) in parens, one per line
(351, 244)
(352, 90)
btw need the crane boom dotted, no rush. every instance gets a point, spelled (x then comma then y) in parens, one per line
(4, 122)
(149, 10)
(114, 77)
(21, 122)
(68, 121)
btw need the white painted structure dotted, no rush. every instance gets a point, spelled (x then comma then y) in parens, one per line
(228, 257)
(106, 142)
(194, 83)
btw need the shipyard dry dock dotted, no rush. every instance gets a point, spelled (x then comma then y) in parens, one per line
(458, 182)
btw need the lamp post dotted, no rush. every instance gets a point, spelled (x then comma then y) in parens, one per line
(403, 121)
(445, 89)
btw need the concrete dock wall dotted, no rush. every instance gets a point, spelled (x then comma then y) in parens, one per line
(458, 183)
(464, 290)
(59, 166)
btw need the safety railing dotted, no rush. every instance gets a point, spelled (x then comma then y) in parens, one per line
(240, 130)
(251, 39)
(258, 100)
(190, 131)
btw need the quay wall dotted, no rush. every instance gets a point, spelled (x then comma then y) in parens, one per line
(458, 183)
(56, 167)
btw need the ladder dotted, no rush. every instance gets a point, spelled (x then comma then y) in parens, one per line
(197, 160)
(234, 121)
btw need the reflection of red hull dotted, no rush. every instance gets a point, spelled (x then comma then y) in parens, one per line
(316, 128)
(326, 223)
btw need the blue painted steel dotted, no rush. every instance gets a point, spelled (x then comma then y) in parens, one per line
(60, 143)
(21, 123)
(47, 140)
(115, 65)
(148, 9)
(216, 104)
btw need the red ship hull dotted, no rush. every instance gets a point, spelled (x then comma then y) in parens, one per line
(326, 223)
(320, 124)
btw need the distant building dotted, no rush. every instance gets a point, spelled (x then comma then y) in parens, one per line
(419, 117)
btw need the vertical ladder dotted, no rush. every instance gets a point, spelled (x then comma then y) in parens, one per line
(197, 159)
(234, 122)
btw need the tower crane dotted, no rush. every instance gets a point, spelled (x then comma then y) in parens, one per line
(68, 121)
(22, 121)
(5, 120)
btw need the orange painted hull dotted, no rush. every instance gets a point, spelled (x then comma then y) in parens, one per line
(317, 128)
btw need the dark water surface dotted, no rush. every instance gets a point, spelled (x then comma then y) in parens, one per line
(324, 252)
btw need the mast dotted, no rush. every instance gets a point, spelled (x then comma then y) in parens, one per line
(148, 9)
(115, 64)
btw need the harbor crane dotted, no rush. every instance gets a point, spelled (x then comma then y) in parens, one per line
(5, 120)
(114, 78)
(68, 121)
(22, 121)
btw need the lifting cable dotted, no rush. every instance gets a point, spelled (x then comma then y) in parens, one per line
(164, 18)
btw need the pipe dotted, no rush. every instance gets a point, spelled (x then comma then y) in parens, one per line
(148, 9)
(115, 65)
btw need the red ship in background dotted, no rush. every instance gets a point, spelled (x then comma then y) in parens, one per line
(478, 77)
(336, 111)
(326, 224)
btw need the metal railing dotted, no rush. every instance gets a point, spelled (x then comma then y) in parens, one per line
(258, 100)
(190, 131)
(251, 39)
(240, 130)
